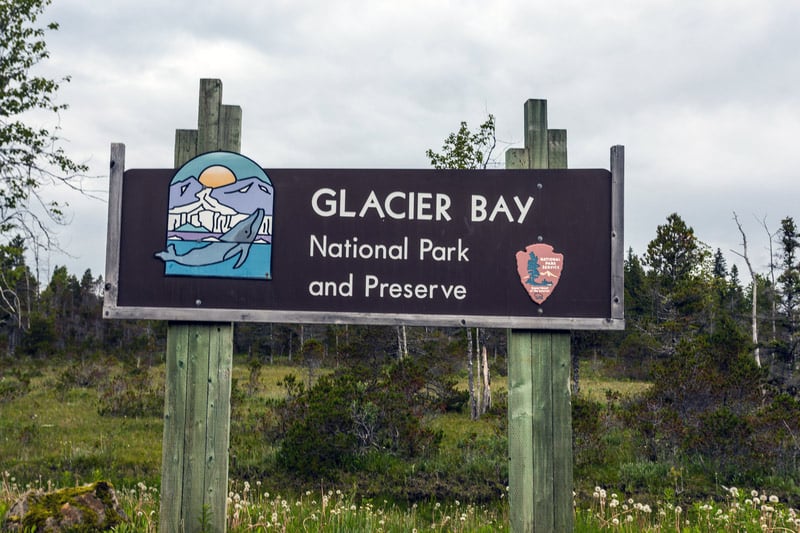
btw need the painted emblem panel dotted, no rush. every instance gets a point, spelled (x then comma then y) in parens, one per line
(539, 269)
(219, 222)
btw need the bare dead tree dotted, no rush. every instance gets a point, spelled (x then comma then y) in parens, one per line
(774, 301)
(402, 342)
(473, 400)
(754, 316)
(486, 404)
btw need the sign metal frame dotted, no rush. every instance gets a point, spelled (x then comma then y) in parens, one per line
(614, 319)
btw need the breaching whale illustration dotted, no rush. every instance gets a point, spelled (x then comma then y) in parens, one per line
(236, 241)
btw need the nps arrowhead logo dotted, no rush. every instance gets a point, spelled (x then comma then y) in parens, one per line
(539, 270)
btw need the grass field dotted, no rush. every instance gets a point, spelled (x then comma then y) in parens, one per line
(57, 430)
(52, 435)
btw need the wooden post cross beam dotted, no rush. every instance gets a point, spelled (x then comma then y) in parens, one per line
(539, 404)
(194, 470)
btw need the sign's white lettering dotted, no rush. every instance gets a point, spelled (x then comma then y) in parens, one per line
(401, 205)
(427, 248)
(352, 249)
(479, 211)
(373, 287)
(398, 205)
(332, 288)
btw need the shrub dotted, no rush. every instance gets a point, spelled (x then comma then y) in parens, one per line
(88, 374)
(776, 434)
(40, 338)
(11, 387)
(350, 413)
(644, 476)
(587, 444)
(131, 395)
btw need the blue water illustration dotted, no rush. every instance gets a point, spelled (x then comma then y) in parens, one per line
(256, 266)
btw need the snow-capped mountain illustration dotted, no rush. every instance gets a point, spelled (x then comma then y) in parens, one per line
(184, 192)
(245, 195)
(195, 208)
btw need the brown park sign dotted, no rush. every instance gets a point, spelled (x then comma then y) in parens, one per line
(221, 239)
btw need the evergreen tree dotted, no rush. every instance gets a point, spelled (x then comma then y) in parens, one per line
(638, 298)
(789, 283)
(18, 293)
(675, 255)
(720, 265)
(679, 278)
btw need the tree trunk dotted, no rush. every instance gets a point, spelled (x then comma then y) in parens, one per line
(473, 404)
(773, 299)
(399, 343)
(753, 314)
(576, 368)
(754, 318)
(487, 391)
(271, 343)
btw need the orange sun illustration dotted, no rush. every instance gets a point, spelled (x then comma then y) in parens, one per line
(216, 176)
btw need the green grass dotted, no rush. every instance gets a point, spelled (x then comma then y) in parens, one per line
(62, 434)
(54, 432)
(593, 385)
(598, 389)
(50, 438)
(47, 433)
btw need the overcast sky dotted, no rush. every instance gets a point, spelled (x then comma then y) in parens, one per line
(703, 94)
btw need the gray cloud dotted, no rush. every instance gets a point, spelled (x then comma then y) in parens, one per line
(702, 94)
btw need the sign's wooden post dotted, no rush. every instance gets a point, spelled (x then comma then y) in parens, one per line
(539, 405)
(194, 478)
